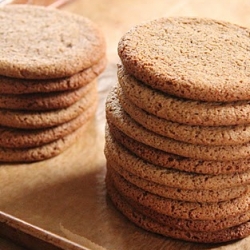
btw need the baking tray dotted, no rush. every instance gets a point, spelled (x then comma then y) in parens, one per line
(61, 203)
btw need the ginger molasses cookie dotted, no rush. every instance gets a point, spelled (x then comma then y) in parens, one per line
(194, 58)
(44, 101)
(147, 223)
(182, 110)
(47, 43)
(167, 160)
(49, 118)
(42, 152)
(24, 138)
(185, 224)
(191, 225)
(203, 135)
(9, 85)
(116, 115)
(181, 194)
(182, 209)
(124, 158)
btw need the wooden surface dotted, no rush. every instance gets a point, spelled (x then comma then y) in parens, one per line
(66, 195)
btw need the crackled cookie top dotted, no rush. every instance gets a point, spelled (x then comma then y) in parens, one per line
(200, 59)
(42, 43)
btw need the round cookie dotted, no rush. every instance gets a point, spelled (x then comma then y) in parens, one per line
(47, 43)
(195, 195)
(23, 138)
(44, 119)
(146, 223)
(42, 152)
(25, 86)
(194, 58)
(185, 224)
(183, 110)
(44, 101)
(116, 115)
(203, 135)
(169, 177)
(166, 160)
(182, 209)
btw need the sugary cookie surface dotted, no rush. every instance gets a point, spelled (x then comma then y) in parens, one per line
(42, 43)
(200, 59)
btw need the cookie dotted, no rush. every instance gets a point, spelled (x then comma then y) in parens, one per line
(181, 194)
(23, 138)
(224, 235)
(166, 160)
(25, 86)
(194, 58)
(203, 135)
(45, 101)
(116, 115)
(182, 209)
(47, 43)
(180, 110)
(42, 152)
(44, 119)
(116, 153)
(184, 224)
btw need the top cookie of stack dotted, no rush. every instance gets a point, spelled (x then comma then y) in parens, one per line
(49, 63)
(178, 129)
(198, 59)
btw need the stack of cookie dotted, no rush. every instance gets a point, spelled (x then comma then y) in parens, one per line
(49, 64)
(178, 129)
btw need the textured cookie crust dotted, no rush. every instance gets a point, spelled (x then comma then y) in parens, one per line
(181, 194)
(203, 135)
(41, 152)
(191, 225)
(183, 110)
(151, 225)
(166, 160)
(184, 224)
(45, 101)
(170, 177)
(116, 115)
(45, 119)
(46, 43)
(24, 138)
(183, 209)
(200, 59)
(15, 86)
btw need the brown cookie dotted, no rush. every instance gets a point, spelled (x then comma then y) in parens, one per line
(44, 119)
(166, 160)
(23, 138)
(181, 194)
(116, 153)
(47, 43)
(203, 135)
(42, 152)
(181, 110)
(45, 101)
(116, 115)
(184, 224)
(182, 209)
(194, 58)
(224, 235)
(25, 86)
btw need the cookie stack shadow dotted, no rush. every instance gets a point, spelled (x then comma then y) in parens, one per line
(48, 99)
(176, 166)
